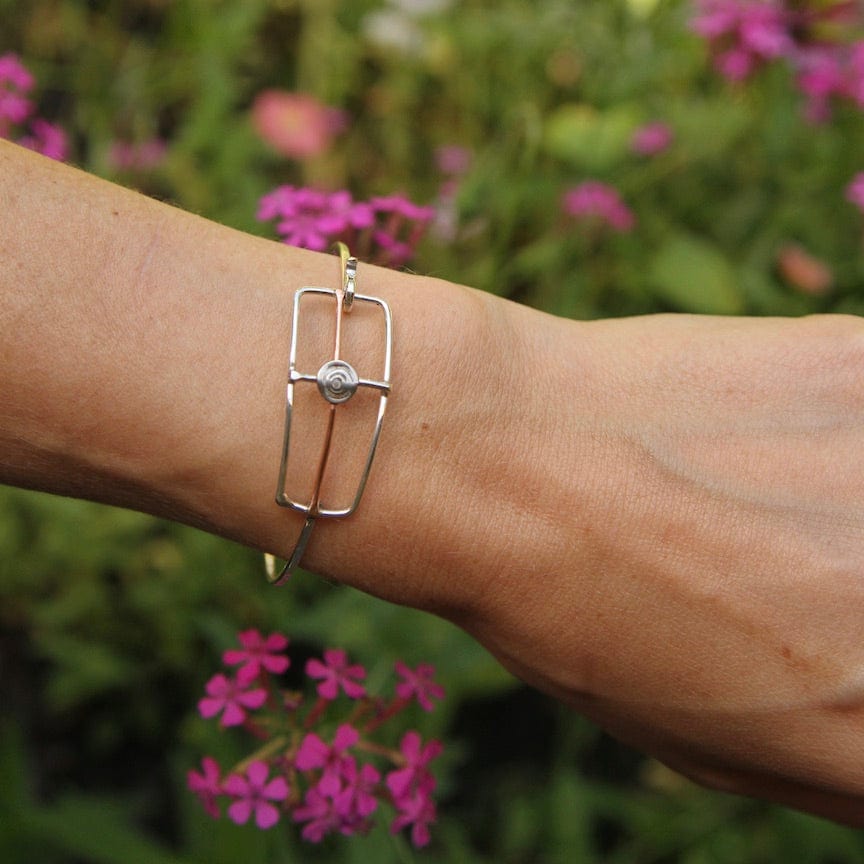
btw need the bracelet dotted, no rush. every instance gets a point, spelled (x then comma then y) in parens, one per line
(337, 382)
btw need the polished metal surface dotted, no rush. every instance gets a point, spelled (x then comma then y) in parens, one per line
(337, 382)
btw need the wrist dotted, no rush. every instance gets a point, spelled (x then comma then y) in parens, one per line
(220, 471)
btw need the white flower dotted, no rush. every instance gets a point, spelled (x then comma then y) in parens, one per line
(418, 8)
(394, 30)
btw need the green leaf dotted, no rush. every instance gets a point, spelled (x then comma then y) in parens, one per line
(708, 128)
(94, 830)
(88, 668)
(14, 791)
(590, 139)
(693, 275)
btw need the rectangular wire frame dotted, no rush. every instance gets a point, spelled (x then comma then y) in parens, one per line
(313, 508)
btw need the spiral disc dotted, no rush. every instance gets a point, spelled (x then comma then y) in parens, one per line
(337, 381)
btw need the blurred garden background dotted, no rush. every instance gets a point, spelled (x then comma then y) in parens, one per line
(593, 159)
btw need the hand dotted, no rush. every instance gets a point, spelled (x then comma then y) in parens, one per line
(698, 588)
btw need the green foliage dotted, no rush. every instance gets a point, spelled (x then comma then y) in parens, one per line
(110, 622)
(590, 140)
(688, 271)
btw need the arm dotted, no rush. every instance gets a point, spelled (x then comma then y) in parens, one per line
(144, 363)
(659, 521)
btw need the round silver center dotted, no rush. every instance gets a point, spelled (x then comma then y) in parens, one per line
(337, 381)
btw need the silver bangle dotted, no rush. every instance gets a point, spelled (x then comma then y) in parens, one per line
(337, 382)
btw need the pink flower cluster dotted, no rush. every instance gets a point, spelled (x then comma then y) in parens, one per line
(746, 34)
(296, 125)
(382, 231)
(331, 782)
(652, 138)
(17, 121)
(827, 73)
(855, 191)
(598, 203)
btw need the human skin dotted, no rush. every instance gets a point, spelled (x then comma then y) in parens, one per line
(659, 520)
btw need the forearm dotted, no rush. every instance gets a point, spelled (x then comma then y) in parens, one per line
(145, 365)
(122, 339)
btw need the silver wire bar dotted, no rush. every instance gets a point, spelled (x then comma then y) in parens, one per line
(337, 382)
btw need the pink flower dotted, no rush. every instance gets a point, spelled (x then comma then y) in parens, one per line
(415, 772)
(342, 805)
(744, 33)
(453, 160)
(313, 753)
(758, 26)
(232, 697)
(335, 673)
(418, 811)
(736, 64)
(715, 18)
(255, 795)
(418, 683)
(15, 81)
(15, 108)
(598, 201)
(764, 28)
(356, 214)
(306, 217)
(258, 653)
(394, 252)
(318, 811)
(296, 124)
(412, 786)
(400, 206)
(206, 785)
(311, 225)
(401, 224)
(652, 138)
(392, 226)
(855, 191)
(14, 72)
(46, 138)
(821, 71)
(357, 799)
(830, 71)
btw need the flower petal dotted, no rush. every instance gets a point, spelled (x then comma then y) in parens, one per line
(240, 811)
